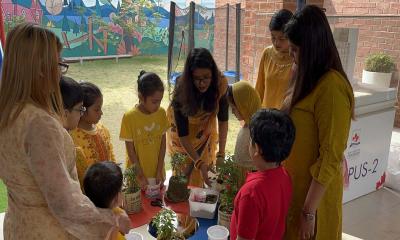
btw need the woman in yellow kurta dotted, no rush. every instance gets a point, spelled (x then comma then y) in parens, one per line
(321, 104)
(275, 65)
(198, 101)
(91, 137)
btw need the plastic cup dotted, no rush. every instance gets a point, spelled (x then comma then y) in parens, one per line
(217, 232)
(134, 236)
(200, 195)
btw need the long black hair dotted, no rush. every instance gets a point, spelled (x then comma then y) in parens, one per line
(309, 30)
(186, 97)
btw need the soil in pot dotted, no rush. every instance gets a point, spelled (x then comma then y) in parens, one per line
(177, 189)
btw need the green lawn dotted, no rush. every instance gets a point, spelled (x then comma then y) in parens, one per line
(118, 84)
(3, 197)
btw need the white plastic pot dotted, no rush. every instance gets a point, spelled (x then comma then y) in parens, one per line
(376, 78)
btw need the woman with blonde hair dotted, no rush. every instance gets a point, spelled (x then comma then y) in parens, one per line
(36, 153)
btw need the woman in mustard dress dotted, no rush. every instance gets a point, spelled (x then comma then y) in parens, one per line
(321, 103)
(275, 65)
(37, 155)
(198, 101)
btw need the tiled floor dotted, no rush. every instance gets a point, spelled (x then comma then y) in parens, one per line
(375, 216)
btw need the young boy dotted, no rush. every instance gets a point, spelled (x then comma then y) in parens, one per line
(102, 184)
(262, 203)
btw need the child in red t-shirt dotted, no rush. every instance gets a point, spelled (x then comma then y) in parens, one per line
(262, 203)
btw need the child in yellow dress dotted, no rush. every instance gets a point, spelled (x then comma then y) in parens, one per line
(244, 101)
(91, 136)
(103, 184)
(143, 129)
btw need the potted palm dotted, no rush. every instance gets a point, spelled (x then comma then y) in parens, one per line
(163, 226)
(229, 176)
(131, 191)
(378, 70)
(177, 185)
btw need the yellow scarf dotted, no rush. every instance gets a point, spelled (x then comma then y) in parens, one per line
(246, 99)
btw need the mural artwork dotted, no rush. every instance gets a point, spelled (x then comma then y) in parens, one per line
(100, 27)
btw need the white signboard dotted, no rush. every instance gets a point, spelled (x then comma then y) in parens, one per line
(367, 153)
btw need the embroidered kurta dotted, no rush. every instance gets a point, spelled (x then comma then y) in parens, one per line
(273, 77)
(37, 158)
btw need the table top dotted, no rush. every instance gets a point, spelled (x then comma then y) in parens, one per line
(140, 220)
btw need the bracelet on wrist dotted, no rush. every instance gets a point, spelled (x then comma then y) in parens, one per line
(198, 164)
(308, 216)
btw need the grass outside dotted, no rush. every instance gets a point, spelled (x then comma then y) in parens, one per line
(117, 82)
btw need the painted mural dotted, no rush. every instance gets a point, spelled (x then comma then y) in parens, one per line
(104, 27)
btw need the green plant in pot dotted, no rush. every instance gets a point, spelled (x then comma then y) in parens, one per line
(229, 176)
(378, 70)
(131, 191)
(177, 185)
(164, 225)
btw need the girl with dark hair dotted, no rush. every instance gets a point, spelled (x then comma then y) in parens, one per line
(91, 136)
(143, 129)
(275, 65)
(321, 103)
(72, 96)
(198, 101)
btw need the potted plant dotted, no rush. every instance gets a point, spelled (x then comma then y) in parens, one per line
(177, 185)
(163, 226)
(378, 70)
(131, 191)
(229, 176)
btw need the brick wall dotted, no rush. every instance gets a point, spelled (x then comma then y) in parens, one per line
(376, 34)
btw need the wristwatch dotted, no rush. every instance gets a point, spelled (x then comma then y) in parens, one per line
(308, 216)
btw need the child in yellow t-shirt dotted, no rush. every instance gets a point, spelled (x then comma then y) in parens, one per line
(143, 129)
(92, 137)
(103, 184)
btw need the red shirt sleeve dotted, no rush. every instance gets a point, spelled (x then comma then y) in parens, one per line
(248, 217)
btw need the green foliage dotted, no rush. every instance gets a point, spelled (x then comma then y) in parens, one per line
(177, 163)
(131, 184)
(379, 62)
(164, 223)
(229, 176)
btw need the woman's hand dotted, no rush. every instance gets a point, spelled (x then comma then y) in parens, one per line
(124, 223)
(142, 180)
(160, 178)
(307, 225)
(204, 174)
